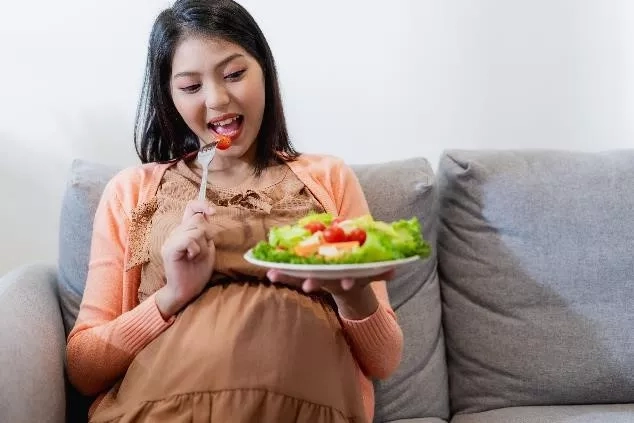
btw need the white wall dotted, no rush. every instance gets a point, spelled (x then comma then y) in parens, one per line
(415, 76)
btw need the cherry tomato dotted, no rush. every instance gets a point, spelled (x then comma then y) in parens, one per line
(357, 234)
(334, 234)
(223, 142)
(337, 221)
(314, 227)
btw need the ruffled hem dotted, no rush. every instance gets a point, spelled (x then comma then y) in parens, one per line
(236, 406)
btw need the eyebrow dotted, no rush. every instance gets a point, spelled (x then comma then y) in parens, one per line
(221, 63)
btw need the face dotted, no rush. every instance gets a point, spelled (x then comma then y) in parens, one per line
(218, 88)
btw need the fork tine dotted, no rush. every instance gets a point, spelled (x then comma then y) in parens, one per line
(212, 145)
(204, 157)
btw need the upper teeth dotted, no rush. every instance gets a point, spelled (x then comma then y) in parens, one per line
(226, 121)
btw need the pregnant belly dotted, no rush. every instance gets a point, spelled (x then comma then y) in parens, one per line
(245, 336)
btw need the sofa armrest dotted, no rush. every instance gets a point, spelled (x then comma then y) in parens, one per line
(32, 346)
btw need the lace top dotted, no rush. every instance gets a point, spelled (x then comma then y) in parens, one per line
(244, 215)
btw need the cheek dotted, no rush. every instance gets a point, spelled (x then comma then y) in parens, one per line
(188, 108)
(255, 98)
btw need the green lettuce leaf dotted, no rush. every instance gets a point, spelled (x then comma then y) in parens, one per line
(325, 218)
(287, 236)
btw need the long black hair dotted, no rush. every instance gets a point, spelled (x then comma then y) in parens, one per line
(160, 132)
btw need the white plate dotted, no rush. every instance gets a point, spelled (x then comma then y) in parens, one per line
(331, 271)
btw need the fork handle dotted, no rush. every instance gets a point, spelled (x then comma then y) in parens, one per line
(202, 194)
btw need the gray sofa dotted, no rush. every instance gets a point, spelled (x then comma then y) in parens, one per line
(524, 313)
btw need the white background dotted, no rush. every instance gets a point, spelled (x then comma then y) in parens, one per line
(367, 80)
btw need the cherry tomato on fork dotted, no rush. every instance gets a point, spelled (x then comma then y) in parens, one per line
(223, 142)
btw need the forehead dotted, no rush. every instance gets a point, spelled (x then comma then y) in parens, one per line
(203, 52)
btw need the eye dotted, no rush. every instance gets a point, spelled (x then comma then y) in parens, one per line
(235, 76)
(191, 88)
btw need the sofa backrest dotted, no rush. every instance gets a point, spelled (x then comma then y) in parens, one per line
(394, 190)
(536, 261)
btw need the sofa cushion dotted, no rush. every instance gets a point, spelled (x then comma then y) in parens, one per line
(553, 414)
(394, 190)
(31, 346)
(398, 190)
(85, 184)
(536, 266)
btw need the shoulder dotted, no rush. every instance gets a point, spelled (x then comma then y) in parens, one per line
(131, 184)
(322, 167)
(319, 159)
(333, 182)
(135, 176)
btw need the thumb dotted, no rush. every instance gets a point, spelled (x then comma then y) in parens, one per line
(197, 206)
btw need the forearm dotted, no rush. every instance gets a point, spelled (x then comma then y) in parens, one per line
(358, 305)
(99, 353)
(376, 338)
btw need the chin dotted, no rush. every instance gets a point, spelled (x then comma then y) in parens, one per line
(233, 151)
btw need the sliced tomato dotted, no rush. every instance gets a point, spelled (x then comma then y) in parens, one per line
(334, 234)
(224, 142)
(358, 235)
(314, 227)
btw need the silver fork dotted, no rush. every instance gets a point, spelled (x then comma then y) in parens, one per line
(204, 157)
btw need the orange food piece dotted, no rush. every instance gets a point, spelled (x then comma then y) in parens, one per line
(306, 250)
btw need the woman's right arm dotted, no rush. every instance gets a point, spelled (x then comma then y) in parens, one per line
(104, 340)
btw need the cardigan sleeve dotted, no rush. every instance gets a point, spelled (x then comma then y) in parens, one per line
(105, 340)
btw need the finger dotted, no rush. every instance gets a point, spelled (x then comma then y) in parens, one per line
(181, 245)
(195, 219)
(195, 223)
(193, 249)
(197, 207)
(208, 232)
(347, 284)
(276, 276)
(311, 285)
(199, 222)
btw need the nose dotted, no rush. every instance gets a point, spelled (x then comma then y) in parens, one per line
(216, 96)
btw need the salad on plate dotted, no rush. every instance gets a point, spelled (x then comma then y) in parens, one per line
(322, 239)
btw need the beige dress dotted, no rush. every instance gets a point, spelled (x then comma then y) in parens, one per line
(245, 350)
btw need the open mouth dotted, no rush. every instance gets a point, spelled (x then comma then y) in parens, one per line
(229, 127)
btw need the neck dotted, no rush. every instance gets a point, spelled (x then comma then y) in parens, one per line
(230, 171)
(230, 166)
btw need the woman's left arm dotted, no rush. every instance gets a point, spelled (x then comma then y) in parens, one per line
(376, 340)
(375, 337)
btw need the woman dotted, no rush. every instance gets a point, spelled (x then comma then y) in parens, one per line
(174, 323)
